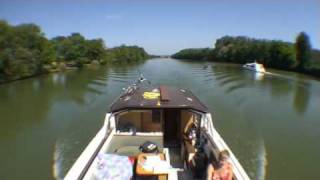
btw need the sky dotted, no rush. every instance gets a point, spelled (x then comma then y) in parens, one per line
(166, 26)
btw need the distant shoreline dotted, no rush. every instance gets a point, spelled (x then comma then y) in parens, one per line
(315, 73)
(297, 57)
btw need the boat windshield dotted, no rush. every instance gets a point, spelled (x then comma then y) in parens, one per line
(139, 121)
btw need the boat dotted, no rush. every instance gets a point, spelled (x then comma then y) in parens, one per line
(144, 135)
(255, 67)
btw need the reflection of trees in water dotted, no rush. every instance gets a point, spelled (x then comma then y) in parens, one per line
(301, 97)
(282, 87)
(26, 102)
(79, 83)
(279, 87)
(22, 103)
(126, 68)
(234, 79)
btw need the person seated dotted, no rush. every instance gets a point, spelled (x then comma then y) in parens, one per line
(190, 132)
(189, 140)
(223, 170)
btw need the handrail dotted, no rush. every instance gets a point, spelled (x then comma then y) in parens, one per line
(94, 155)
(84, 161)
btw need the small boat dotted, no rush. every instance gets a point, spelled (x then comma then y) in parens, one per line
(144, 135)
(255, 67)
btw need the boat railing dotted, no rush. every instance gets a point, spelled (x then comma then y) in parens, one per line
(134, 85)
(85, 160)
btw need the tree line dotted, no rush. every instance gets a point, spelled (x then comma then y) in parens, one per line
(193, 53)
(26, 52)
(298, 56)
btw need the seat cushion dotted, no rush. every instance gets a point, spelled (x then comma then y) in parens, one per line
(110, 166)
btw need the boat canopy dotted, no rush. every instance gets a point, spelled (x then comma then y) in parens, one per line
(148, 97)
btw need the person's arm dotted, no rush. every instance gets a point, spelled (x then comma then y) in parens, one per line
(187, 126)
(230, 174)
(210, 172)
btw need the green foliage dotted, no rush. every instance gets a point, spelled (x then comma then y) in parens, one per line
(271, 53)
(127, 54)
(276, 54)
(315, 59)
(78, 49)
(303, 51)
(25, 52)
(195, 54)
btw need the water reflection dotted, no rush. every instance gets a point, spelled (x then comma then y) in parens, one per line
(301, 97)
(35, 96)
(21, 105)
(58, 78)
(258, 76)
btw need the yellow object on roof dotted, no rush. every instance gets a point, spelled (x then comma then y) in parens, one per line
(151, 95)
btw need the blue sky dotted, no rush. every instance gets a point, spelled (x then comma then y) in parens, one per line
(164, 27)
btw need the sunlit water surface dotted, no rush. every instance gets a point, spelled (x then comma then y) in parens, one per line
(271, 122)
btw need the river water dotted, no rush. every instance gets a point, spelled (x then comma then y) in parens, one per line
(270, 122)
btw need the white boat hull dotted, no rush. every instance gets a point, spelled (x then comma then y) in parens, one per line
(255, 67)
(83, 167)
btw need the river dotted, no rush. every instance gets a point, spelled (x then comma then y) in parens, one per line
(270, 122)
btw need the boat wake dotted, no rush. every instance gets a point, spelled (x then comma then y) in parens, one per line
(57, 161)
(273, 74)
(262, 161)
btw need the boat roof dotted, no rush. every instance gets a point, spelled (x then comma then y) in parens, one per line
(148, 97)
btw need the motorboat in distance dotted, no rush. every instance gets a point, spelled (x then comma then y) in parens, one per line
(160, 132)
(255, 67)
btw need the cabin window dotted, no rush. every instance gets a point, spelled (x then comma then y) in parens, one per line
(156, 116)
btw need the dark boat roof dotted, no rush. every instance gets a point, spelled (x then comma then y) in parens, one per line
(158, 98)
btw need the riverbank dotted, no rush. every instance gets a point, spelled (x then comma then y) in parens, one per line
(297, 57)
(56, 67)
(25, 52)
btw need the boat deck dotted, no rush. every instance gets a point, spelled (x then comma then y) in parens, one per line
(128, 145)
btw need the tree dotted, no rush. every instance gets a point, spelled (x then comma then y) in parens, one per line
(25, 51)
(127, 54)
(303, 51)
(193, 53)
